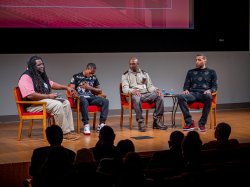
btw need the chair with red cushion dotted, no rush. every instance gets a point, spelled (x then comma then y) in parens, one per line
(126, 103)
(24, 115)
(200, 105)
(75, 106)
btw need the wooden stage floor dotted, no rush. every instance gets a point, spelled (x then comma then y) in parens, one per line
(13, 151)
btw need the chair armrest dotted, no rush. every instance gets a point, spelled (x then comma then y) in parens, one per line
(126, 94)
(214, 93)
(102, 95)
(31, 102)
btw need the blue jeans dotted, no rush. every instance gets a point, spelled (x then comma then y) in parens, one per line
(183, 100)
(94, 100)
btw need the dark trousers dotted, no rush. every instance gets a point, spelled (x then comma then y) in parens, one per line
(183, 100)
(94, 100)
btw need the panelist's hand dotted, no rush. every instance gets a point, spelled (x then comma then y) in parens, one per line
(136, 92)
(207, 92)
(186, 92)
(52, 95)
(159, 92)
(72, 92)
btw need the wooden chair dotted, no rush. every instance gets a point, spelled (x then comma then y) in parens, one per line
(24, 115)
(126, 103)
(200, 105)
(75, 106)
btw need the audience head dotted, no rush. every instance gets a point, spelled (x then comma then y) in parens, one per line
(54, 135)
(123, 147)
(222, 131)
(84, 155)
(107, 134)
(191, 146)
(175, 139)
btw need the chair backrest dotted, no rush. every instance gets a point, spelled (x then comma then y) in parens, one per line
(122, 97)
(18, 97)
(214, 99)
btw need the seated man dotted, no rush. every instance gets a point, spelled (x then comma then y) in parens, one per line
(87, 86)
(138, 83)
(222, 133)
(35, 85)
(199, 84)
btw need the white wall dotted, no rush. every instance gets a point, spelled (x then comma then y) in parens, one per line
(167, 70)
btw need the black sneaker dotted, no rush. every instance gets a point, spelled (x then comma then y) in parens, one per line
(159, 123)
(141, 126)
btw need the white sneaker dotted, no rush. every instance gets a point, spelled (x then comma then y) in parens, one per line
(86, 130)
(100, 127)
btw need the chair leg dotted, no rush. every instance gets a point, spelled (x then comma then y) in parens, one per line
(121, 118)
(211, 119)
(146, 118)
(182, 120)
(78, 121)
(44, 129)
(30, 127)
(94, 120)
(20, 130)
(130, 118)
(215, 117)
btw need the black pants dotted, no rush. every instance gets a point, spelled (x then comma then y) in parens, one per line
(183, 100)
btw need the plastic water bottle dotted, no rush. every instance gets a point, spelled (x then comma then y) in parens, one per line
(164, 92)
(171, 91)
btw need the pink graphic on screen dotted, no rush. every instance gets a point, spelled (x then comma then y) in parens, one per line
(95, 14)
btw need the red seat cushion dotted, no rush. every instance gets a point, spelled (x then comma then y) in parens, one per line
(94, 108)
(144, 105)
(196, 105)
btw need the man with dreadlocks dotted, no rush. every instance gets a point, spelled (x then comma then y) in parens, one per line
(35, 85)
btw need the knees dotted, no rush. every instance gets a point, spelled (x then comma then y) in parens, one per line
(207, 97)
(181, 97)
(105, 101)
(136, 99)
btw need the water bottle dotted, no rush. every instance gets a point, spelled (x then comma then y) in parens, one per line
(164, 92)
(171, 91)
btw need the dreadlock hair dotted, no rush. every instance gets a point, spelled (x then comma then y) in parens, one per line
(38, 78)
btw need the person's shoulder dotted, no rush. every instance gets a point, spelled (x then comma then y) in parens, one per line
(144, 72)
(40, 150)
(126, 72)
(78, 74)
(210, 145)
(94, 77)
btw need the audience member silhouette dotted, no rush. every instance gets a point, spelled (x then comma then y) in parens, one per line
(55, 137)
(132, 173)
(192, 175)
(172, 157)
(85, 166)
(110, 167)
(167, 162)
(57, 169)
(191, 149)
(222, 134)
(104, 148)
